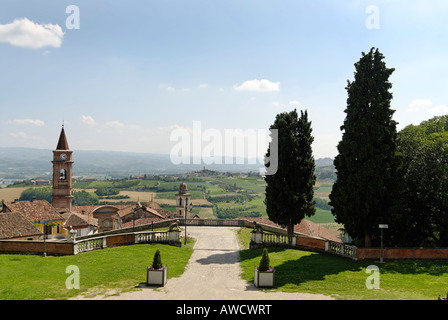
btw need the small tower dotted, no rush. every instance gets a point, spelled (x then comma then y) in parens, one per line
(183, 201)
(62, 174)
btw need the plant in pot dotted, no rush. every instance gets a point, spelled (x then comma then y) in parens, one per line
(264, 274)
(156, 273)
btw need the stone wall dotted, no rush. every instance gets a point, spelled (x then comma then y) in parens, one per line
(36, 247)
(402, 253)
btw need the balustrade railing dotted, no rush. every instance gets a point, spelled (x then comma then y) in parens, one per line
(272, 238)
(171, 237)
(212, 222)
(341, 249)
(151, 237)
(89, 244)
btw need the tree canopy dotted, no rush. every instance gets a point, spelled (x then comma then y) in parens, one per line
(289, 192)
(366, 165)
(422, 218)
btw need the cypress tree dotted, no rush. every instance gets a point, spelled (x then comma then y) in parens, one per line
(264, 264)
(289, 192)
(366, 165)
(157, 260)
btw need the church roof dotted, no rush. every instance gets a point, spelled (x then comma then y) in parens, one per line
(62, 143)
(14, 225)
(34, 210)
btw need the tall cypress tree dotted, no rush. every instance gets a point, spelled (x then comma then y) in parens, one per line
(289, 192)
(366, 165)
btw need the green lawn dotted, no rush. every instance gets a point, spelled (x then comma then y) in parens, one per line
(32, 277)
(319, 273)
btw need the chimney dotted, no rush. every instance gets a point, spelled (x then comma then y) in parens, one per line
(83, 212)
(33, 199)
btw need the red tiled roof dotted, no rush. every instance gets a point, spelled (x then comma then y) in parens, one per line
(139, 222)
(34, 210)
(77, 220)
(305, 227)
(14, 225)
(90, 209)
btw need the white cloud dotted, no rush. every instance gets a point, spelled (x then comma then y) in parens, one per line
(419, 104)
(88, 120)
(38, 123)
(170, 89)
(294, 103)
(115, 124)
(425, 105)
(19, 135)
(121, 127)
(203, 86)
(277, 105)
(28, 34)
(439, 110)
(262, 85)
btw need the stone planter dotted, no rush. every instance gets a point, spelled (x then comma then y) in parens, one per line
(264, 279)
(156, 277)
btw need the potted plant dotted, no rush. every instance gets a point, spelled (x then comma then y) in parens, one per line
(264, 274)
(156, 273)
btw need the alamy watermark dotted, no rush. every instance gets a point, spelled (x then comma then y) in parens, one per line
(373, 20)
(373, 281)
(233, 146)
(73, 20)
(72, 281)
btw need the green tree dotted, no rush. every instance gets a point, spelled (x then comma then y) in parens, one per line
(83, 198)
(423, 219)
(367, 164)
(289, 192)
(44, 193)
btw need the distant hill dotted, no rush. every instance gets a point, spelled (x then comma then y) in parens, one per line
(324, 162)
(33, 163)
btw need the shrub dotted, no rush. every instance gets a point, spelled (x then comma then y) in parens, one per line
(157, 261)
(264, 262)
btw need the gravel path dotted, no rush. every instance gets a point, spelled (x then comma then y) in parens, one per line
(213, 273)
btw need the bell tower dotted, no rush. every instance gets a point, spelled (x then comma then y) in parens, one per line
(183, 202)
(62, 174)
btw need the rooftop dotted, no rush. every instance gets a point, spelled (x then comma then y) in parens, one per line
(14, 225)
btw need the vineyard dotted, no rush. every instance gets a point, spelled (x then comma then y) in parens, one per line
(219, 195)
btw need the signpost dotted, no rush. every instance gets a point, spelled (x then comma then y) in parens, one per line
(382, 227)
(187, 207)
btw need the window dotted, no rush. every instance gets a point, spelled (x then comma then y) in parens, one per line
(48, 229)
(58, 228)
(63, 175)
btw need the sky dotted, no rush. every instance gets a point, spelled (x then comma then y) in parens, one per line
(123, 75)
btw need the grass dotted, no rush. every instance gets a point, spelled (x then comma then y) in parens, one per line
(322, 216)
(320, 273)
(121, 269)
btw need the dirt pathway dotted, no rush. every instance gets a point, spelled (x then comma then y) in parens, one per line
(213, 273)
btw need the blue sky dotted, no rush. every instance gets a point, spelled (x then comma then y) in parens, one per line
(136, 70)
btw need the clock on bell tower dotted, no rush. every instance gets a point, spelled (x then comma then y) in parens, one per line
(62, 174)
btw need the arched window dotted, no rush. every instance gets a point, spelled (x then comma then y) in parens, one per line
(180, 201)
(63, 174)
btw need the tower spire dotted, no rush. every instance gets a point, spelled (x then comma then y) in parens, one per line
(62, 143)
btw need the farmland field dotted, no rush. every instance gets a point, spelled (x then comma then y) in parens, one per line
(10, 194)
(213, 195)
